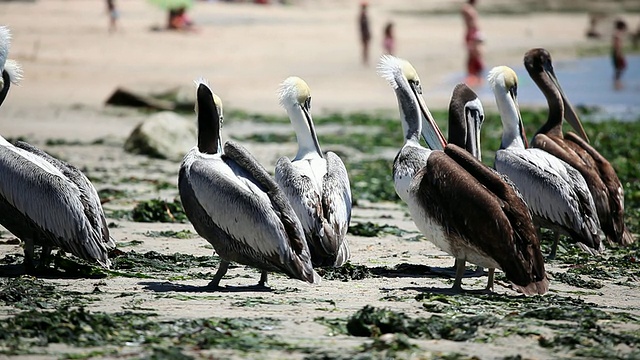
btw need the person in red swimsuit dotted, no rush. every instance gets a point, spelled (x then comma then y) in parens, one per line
(473, 40)
(617, 55)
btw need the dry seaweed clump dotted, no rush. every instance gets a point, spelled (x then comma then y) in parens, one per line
(158, 210)
(81, 328)
(374, 322)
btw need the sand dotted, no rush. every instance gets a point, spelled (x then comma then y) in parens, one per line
(72, 64)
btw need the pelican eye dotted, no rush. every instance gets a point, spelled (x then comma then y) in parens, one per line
(307, 103)
(416, 85)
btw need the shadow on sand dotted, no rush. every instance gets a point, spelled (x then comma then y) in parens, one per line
(164, 286)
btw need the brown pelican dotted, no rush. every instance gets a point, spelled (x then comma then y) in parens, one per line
(234, 203)
(457, 202)
(316, 185)
(466, 116)
(556, 193)
(603, 182)
(45, 201)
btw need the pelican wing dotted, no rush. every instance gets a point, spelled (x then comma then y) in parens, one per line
(463, 206)
(278, 199)
(88, 194)
(304, 199)
(237, 209)
(336, 204)
(553, 190)
(42, 193)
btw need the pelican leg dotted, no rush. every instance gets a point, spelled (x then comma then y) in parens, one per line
(460, 269)
(490, 280)
(29, 262)
(222, 270)
(263, 280)
(45, 257)
(554, 248)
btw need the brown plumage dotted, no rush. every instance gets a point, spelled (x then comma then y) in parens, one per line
(574, 149)
(501, 226)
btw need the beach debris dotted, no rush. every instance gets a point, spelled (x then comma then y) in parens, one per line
(126, 97)
(164, 135)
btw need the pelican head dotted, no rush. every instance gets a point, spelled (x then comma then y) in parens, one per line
(466, 116)
(5, 43)
(295, 96)
(404, 79)
(210, 118)
(504, 84)
(10, 70)
(540, 68)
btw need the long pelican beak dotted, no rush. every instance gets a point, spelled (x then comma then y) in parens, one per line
(306, 110)
(514, 97)
(474, 125)
(209, 139)
(569, 113)
(430, 130)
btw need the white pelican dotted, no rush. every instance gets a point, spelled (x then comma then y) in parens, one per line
(603, 182)
(316, 185)
(555, 192)
(45, 201)
(236, 206)
(458, 203)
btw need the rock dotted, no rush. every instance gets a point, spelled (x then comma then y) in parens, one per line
(126, 97)
(164, 135)
(183, 98)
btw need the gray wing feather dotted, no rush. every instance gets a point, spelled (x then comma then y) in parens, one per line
(303, 197)
(551, 187)
(336, 201)
(41, 192)
(88, 193)
(238, 209)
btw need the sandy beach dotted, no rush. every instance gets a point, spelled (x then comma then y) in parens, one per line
(72, 64)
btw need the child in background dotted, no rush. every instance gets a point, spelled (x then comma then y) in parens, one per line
(388, 42)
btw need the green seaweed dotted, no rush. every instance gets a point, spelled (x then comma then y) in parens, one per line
(373, 322)
(26, 292)
(369, 229)
(153, 262)
(82, 328)
(158, 210)
(372, 180)
(181, 234)
(109, 194)
(576, 280)
(346, 272)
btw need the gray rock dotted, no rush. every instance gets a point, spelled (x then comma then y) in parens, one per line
(164, 135)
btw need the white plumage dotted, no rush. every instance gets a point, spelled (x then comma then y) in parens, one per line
(316, 184)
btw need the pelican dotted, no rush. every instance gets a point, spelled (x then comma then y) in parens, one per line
(556, 193)
(603, 182)
(457, 202)
(316, 185)
(45, 201)
(236, 206)
(466, 116)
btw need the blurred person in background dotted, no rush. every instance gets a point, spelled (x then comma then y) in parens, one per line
(473, 40)
(617, 53)
(365, 32)
(113, 15)
(389, 42)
